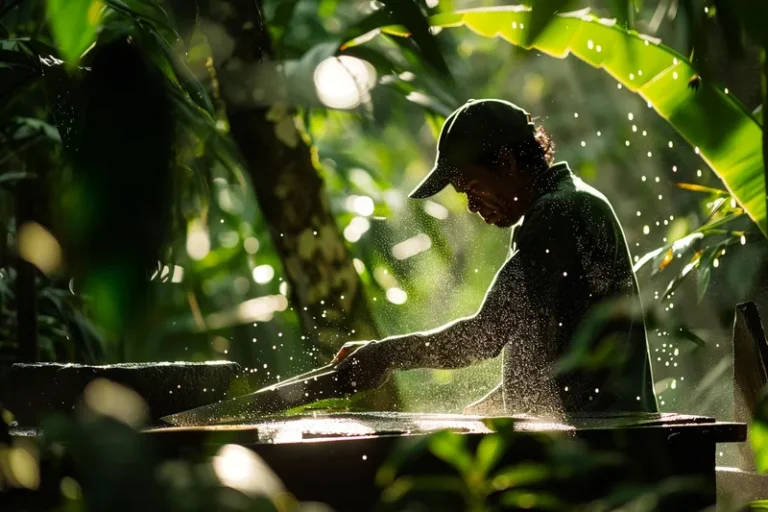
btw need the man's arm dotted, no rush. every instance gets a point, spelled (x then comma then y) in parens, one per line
(457, 344)
(520, 291)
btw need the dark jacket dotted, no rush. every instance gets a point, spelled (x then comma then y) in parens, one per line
(565, 309)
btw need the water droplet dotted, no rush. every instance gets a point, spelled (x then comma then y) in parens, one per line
(631, 76)
(590, 44)
(583, 144)
(630, 116)
(599, 48)
(638, 213)
(650, 154)
(634, 128)
(365, 457)
(575, 114)
(660, 197)
(674, 75)
(696, 150)
(674, 168)
(675, 61)
(698, 173)
(726, 90)
(646, 229)
(657, 179)
(618, 86)
(643, 178)
(599, 134)
(626, 142)
(566, 388)
(597, 390)
(716, 263)
(645, 133)
(743, 240)
(565, 274)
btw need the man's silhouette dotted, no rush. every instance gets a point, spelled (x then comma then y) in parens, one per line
(565, 307)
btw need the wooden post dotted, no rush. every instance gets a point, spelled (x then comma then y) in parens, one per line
(26, 291)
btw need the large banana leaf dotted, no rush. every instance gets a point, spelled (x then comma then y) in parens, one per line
(716, 124)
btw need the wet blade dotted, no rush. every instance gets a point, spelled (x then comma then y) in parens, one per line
(270, 400)
(304, 376)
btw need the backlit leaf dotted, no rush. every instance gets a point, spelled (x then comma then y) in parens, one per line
(669, 256)
(74, 24)
(693, 187)
(716, 124)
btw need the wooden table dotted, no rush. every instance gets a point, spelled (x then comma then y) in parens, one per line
(334, 458)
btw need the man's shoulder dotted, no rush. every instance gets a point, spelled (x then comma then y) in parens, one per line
(573, 200)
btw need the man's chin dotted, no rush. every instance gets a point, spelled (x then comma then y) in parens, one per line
(501, 222)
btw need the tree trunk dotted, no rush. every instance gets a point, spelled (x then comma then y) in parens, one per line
(324, 286)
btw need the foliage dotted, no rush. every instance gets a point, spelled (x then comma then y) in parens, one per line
(718, 125)
(492, 474)
(96, 461)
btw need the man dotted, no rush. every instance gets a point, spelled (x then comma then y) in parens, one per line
(565, 307)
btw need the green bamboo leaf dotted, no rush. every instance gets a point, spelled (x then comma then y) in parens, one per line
(716, 124)
(74, 24)
(694, 187)
(657, 254)
(704, 271)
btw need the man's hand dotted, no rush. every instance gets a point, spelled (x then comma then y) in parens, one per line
(362, 365)
(347, 349)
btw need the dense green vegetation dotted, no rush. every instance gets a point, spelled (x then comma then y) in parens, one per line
(257, 211)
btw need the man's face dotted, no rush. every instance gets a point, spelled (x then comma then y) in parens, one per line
(498, 195)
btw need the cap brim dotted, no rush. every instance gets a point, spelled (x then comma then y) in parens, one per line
(437, 179)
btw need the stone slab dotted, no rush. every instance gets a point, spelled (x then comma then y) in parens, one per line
(31, 391)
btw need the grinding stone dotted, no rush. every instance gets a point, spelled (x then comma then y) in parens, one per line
(33, 390)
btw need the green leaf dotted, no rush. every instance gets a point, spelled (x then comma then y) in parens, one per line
(407, 484)
(489, 451)
(74, 24)
(410, 21)
(522, 500)
(721, 129)
(520, 475)
(694, 187)
(542, 13)
(758, 436)
(451, 448)
(658, 254)
(704, 271)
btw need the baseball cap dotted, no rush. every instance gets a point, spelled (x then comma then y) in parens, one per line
(471, 131)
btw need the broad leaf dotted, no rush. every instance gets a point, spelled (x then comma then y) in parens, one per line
(542, 13)
(74, 24)
(716, 124)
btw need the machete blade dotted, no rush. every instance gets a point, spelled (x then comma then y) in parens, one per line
(270, 400)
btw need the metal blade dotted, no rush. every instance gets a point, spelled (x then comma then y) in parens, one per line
(304, 376)
(270, 400)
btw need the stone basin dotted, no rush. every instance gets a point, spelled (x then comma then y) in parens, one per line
(334, 457)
